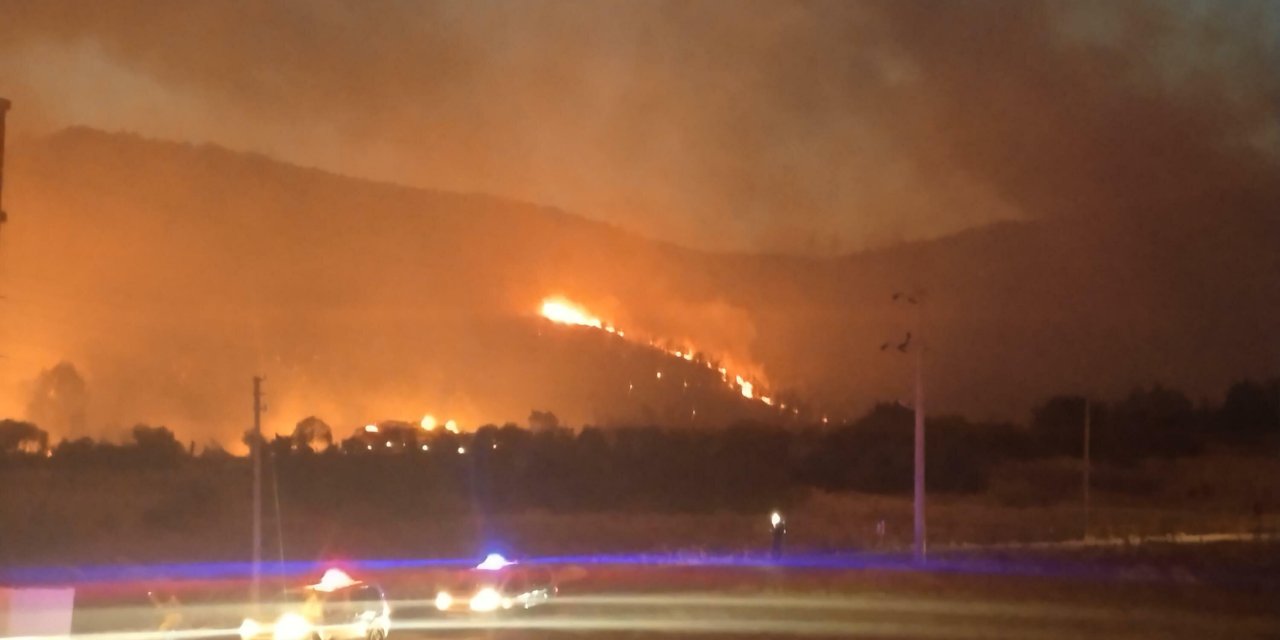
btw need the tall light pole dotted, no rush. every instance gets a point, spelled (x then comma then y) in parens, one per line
(919, 548)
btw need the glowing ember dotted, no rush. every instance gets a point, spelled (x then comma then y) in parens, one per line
(371, 428)
(428, 422)
(451, 426)
(746, 388)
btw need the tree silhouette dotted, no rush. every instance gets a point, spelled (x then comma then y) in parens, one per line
(17, 437)
(60, 400)
(312, 434)
(543, 420)
(1058, 425)
(1251, 409)
(156, 446)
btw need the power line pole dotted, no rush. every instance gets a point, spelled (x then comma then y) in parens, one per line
(918, 464)
(1087, 418)
(920, 544)
(4, 108)
(256, 448)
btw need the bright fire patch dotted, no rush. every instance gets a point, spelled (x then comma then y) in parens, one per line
(562, 311)
(565, 312)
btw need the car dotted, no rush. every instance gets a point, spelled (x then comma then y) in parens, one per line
(336, 608)
(496, 585)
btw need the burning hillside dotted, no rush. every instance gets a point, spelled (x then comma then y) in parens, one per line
(560, 310)
(169, 275)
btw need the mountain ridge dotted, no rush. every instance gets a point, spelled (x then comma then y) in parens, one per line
(237, 263)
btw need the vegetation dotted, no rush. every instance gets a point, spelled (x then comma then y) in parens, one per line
(549, 485)
(745, 467)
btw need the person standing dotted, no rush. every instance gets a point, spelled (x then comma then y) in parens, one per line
(779, 527)
(170, 613)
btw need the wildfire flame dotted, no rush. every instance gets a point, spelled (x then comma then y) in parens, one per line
(429, 423)
(563, 311)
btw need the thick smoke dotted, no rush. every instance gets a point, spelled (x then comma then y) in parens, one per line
(169, 275)
(811, 127)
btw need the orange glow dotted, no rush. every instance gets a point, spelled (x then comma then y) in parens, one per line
(561, 310)
(428, 422)
(565, 312)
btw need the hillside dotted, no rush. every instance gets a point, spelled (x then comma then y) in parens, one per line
(170, 274)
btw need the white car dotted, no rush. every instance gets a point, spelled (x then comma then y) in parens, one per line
(337, 608)
(493, 586)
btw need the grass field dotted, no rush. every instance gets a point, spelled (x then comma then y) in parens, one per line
(124, 517)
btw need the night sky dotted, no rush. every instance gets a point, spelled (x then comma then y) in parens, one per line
(1088, 190)
(814, 127)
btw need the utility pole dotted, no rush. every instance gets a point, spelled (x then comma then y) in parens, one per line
(256, 450)
(918, 465)
(920, 544)
(1087, 418)
(4, 108)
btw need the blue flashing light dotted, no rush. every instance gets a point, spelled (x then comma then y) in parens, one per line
(493, 562)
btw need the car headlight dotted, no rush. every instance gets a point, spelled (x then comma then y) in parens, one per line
(486, 599)
(292, 626)
(444, 601)
(249, 628)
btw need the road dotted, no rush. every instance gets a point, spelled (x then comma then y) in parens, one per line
(996, 599)
(877, 605)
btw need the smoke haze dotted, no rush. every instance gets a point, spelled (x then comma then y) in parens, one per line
(812, 127)
(750, 178)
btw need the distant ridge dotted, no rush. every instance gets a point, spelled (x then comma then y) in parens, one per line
(171, 272)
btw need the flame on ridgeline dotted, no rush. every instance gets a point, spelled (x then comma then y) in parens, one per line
(563, 311)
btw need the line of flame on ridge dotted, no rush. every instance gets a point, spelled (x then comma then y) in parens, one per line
(563, 311)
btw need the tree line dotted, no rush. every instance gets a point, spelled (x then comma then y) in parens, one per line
(744, 466)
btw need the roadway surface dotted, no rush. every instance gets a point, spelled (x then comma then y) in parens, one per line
(1198, 596)
(880, 605)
